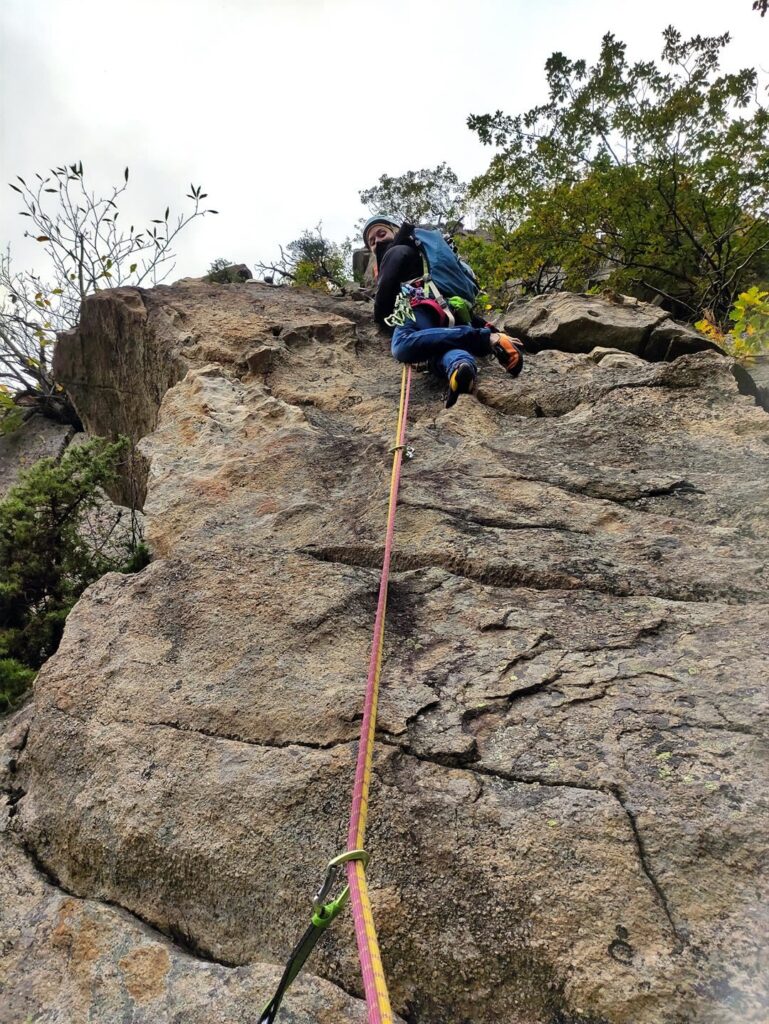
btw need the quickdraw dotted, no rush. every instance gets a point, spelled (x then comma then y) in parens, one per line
(402, 310)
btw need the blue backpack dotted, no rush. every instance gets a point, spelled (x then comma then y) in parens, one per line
(443, 268)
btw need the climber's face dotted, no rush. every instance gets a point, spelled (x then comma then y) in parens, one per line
(379, 233)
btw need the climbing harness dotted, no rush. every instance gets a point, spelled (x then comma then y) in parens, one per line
(355, 858)
(415, 293)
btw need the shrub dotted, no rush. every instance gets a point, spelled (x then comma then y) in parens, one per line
(311, 260)
(15, 679)
(222, 271)
(52, 546)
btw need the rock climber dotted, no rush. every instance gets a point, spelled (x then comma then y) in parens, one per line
(425, 335)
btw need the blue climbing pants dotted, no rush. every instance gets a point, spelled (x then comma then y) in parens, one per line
(419, 341)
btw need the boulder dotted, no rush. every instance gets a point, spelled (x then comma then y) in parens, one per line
(753, 380)
(579, 323)
(234, 273)
(360, 265)
(568, 818)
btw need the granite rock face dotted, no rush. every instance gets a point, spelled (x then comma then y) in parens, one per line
(569, 811)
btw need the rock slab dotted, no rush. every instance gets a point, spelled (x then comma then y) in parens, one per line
(576, 323)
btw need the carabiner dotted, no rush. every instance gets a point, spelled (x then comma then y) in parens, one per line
(319, 900)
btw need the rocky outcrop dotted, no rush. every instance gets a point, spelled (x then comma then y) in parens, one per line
(568, 818)
(36, 438)
(576, 323)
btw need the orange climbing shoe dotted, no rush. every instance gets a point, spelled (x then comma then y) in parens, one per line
(509, 352)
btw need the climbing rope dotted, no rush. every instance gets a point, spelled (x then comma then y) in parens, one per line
(355, 857)
(377, 999)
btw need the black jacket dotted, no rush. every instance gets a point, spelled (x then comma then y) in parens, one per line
(398, 261)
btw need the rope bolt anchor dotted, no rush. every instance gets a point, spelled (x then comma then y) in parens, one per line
(407, 449)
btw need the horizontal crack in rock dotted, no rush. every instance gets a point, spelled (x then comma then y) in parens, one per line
(505, 701)
(489, 522)
(231, 738)
(603, 490)
(510, 576)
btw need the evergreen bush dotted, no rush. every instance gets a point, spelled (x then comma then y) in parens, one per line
(48, 556)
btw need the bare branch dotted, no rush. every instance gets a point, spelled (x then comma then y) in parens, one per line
(85, 251)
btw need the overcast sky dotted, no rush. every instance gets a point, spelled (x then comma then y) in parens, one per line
(285, 109)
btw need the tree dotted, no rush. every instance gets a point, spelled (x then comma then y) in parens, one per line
(57, 535)
(311, 260)
(657, 173)
(85, 250)
(748, 335)
(430, 196)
